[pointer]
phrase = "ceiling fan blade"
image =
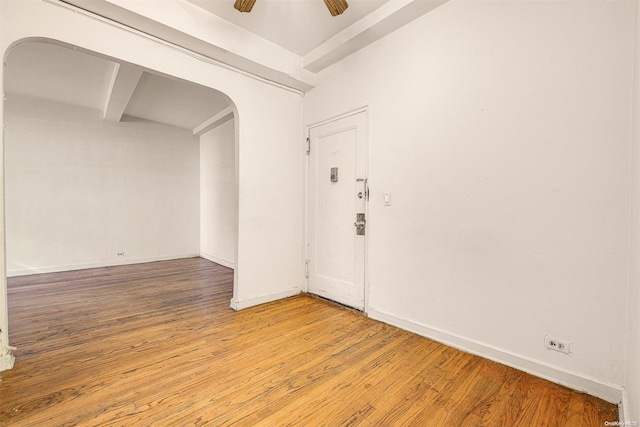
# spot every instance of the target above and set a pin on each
(336, 7)
(244, 5)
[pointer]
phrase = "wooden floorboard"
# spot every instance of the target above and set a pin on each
(157, 344)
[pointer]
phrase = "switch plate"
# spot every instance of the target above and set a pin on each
(387, 199)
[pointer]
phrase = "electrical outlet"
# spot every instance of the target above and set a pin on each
(557, 345)
(120, 254)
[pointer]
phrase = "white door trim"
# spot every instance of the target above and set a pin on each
(363, 109)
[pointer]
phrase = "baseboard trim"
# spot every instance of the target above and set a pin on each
(6, 362)
(113, 263)
(221, 261)
(242, 304)
(608, 392)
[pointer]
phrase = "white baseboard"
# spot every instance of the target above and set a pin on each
(110, 263)
(221, 261)
(6, 362)
(242, 304)
(608, 392)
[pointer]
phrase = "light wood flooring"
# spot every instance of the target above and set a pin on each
(156, 344)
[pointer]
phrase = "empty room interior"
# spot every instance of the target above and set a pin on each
(308, 212)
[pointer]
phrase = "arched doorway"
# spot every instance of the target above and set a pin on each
(143, 139)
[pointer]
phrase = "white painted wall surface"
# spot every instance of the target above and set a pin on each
(632, 371)
(6, 358)
(80, 190)
(218, 232)
(269, 250)
(502, 131)
(270, 259)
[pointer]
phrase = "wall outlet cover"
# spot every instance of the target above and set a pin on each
(558, 345)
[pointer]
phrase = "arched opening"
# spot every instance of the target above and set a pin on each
(101, 177)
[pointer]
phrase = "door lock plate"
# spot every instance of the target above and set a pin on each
(360, 224)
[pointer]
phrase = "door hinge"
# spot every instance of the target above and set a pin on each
(308, 146)
(306, 268)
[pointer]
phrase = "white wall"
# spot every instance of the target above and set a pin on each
(502, 130)
(6, 358)
(268, 132)
(270, 197)
(79, 189)
(632, 374)
(218, 195)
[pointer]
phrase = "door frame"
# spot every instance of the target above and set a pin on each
(305, 279)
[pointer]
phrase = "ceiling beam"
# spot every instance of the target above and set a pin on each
(124, 80)
(213, 122)
(382, 21)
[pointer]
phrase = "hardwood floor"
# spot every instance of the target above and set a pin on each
(156, 344)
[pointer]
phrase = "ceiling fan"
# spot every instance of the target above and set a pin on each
(336, 7)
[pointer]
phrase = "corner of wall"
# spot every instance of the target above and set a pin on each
(630, 406)
(223, 262)
(238, 304)
(623, 407)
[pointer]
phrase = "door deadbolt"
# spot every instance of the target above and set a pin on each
(360, 224)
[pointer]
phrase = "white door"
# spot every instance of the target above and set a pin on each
(336, 210)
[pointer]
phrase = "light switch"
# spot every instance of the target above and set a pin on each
(334, 174)
(387, 199)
